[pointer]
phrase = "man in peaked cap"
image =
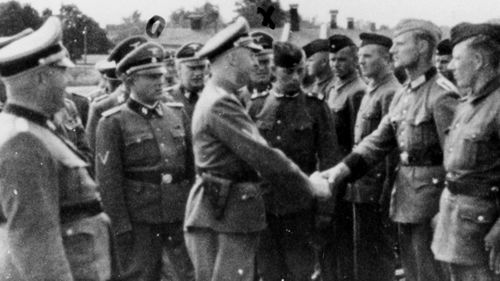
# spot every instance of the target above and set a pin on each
(260, 79)
(467, 233)
(171, 75)
(443, 58)
(414, 126)
(144, 164)
(50, 205)
(225, 210)
(109, 82)
(343, 100)
(300, 125)
(370, 195)
(191, 71)
(318, 67)
(119, 96)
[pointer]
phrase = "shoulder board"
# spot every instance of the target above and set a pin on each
(111, 111)
(257, 95)
(80, 95)
(174, 104)
(100, 98)
(320, 97)
(446, 84)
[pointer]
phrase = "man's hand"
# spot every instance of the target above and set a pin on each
(492, 244)
(336, 174)
(321, 187)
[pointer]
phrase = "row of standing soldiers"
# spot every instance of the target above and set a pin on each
(261, 125)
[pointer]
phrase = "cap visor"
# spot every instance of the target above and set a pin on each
(153, 70)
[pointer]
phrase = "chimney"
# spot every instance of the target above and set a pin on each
(333, 18)
(350, 23)
(294, 17)
(195, 21)
(373, 27)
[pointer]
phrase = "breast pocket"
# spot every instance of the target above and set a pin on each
(422, 132)
(475, 149)
(179, 135)
(370, 122)
(139, 146)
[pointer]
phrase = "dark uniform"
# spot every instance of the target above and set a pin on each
(225, 210)
(469, 206)
(69, 124)
(301, 127)
(50, 208)
(374, 236)
(415, 125)
(344, 101)
(144, 161)
(265, 61)
(119, 96)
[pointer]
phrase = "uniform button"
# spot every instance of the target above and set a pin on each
(278, 122)
(69, 231)
(278, 138)
(480, 218)
(158, 129)
(402, 143)
(435, 181)
(166, 160)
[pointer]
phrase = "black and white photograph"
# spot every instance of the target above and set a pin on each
(249, 140)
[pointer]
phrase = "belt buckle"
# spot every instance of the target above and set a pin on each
(166, 178)
(404, 157)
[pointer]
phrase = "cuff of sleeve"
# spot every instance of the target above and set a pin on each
(357, 165)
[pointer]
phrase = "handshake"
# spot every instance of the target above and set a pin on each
(321, 181)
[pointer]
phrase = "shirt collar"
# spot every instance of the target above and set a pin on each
(339, 83)
(487, 89)
(29, 114)
(419, 81)
(144, 110)
(279, 95)
(375, 85)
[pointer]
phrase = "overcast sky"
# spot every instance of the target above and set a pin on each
(389, 12)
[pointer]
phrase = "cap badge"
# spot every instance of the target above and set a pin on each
(135, 44)
(144, 110)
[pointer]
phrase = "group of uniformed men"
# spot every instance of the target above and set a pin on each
(218, 177)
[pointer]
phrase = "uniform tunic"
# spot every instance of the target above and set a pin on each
(472, 158)
(144, 164)
(53, 221)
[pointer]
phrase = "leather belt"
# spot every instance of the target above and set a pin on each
(420, 159)
(154, 177)
(486, 191)
(79, 210)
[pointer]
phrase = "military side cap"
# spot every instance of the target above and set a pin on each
(187, 52)
(107, 68)
(376, 39)
(145, 59)
(126, 46)
(42, 47)
(444, 48)
(338, 42)
(4, 41)
(286, 54)
(464, 31)
(318, 45)
(264, 40)
(234, 35)
(428, 27)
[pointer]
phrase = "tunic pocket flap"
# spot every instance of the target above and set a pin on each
(475, 216)
(138, 138)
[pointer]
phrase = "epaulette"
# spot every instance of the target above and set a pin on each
(257, 95)
(111, 111)
(446, 84)
(174, 104)
(100, 98)
(319, 96)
